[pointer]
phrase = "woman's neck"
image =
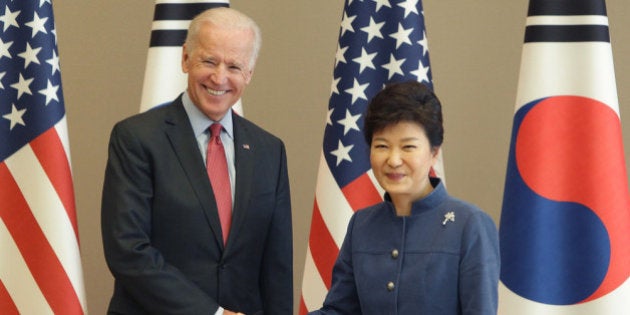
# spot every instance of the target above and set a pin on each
(404, 203)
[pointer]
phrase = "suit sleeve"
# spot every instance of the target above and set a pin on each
(277, 264)
(479, 268)
(140, 269)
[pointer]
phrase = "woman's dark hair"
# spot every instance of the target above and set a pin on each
(409, 101)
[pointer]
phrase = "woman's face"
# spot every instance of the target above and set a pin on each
(401, 158)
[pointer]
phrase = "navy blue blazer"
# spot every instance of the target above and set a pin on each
(443, 259)
(161, 230)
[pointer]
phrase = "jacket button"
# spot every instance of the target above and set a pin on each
(395, 253)
(390, 286)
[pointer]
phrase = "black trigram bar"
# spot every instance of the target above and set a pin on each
(567, 33)
(566, 7)
(182, 11)
(176, 12)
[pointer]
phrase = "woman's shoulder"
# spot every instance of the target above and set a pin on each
(467, 210)
(373, 213)
(373, 209)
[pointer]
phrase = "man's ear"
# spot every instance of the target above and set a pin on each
(248, 76)
(185, 58)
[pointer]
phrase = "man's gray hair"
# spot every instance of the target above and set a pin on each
(229, 18)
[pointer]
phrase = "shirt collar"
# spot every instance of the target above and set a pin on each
(200, 122)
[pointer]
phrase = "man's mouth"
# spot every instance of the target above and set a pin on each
(215, 92)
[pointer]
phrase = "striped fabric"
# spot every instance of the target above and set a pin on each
(40, 264)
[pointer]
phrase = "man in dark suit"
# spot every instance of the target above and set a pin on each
(162, 232)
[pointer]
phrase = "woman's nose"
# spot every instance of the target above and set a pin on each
(394, 159)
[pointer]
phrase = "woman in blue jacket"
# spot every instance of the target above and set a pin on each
(420, 251)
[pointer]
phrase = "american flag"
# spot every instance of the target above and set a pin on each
(40, 268)
(163, 77)
(565, 222)
(380, 41)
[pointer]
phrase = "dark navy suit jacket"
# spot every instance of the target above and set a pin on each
(161, 232)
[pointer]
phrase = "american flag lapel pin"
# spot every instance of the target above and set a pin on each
(246, 146)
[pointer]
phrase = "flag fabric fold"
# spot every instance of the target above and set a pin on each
(565, 246)
(379, 42)
(163, 77)
(40, 268)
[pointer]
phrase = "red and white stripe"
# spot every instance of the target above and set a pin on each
(40, 271)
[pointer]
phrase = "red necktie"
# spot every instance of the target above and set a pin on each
(216, 165)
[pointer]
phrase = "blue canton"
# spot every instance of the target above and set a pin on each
(31, 100)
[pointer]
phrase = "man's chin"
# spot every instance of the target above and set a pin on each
(215, 112)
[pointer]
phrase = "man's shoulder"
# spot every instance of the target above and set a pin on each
(157, 114)
(242, 124)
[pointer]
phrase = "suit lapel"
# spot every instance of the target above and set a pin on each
(184, 144)
(244, 158)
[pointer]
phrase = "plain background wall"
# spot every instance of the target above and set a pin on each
(475, 49)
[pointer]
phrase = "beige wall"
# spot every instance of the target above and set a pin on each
(475, 56)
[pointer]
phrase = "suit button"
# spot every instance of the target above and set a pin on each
(390, 286)
(395, 253)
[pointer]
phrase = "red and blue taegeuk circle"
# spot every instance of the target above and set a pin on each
(565, 222)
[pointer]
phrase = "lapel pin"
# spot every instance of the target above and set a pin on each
(449, 216)
(246, 146)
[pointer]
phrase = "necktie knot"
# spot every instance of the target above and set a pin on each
(215, 132)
